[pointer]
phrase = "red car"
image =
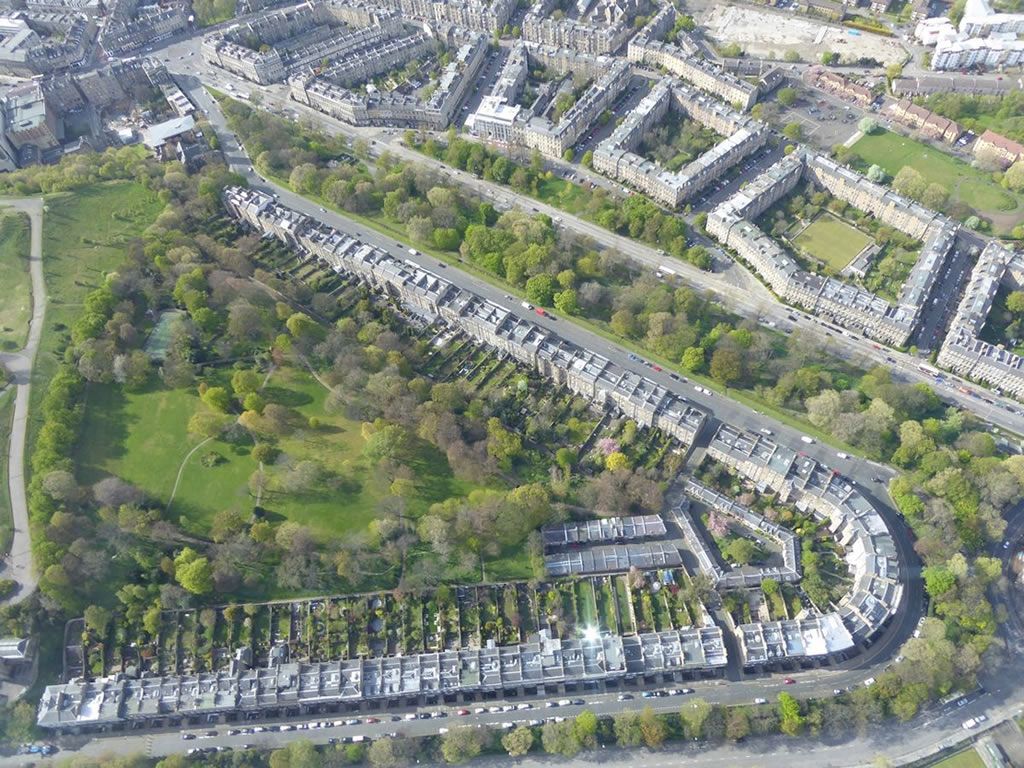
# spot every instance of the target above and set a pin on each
(789, 681)
(656, 367)
(539, 311)
(462, 712)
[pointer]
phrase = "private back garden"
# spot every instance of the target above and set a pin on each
(826, 234)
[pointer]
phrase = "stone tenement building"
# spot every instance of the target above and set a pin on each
(540, 664)
(683, 59)
(130, 25)
(584, 372)
(866, 542)
(615, 156)
(328, 92)
(963, 351)
(296, 40)
(732, 223)
(601, 29)
(42, 42)
(500, 119)
(477, 15)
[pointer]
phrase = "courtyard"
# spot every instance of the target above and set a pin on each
(831, 241)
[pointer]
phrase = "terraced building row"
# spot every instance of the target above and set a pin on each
(733, 224)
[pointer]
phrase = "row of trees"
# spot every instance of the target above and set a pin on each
(696, 721)
(638, 217)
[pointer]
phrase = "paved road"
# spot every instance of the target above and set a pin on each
(870, 476)
(738, 289)
(18, 565)
(938, 728)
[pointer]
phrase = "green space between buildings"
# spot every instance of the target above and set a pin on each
(969, 758)
(967, 185)
(16, 296)
(832, 241)
(85, 235)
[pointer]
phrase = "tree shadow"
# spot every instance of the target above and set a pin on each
(104, 431)
(284, 396)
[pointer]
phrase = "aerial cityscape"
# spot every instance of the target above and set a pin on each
(427, 382)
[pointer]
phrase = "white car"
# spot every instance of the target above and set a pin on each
(760, 700)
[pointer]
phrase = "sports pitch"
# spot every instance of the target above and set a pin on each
(832, 241)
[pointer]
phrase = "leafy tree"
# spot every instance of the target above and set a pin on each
(693, 360)
(743, 551)
(566, 301)
(585, 727)
(626, 726)
(390, 441)
(245, 381)
(791, 722)
(217, 398)
(462, 743)
(616, 460)
(692, 716)
(302, 326)
(540, 290)
(786, 96)
(653, 728)
(391, 752)
(737, 723)
(560, 739)
(1013, 179)
(793, 131)
(298, 754)
(867, 125)
(909, 181)
(1015, 302)
(726, 365)
(193, 572)
(518, 742)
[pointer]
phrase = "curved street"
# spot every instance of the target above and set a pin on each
(18, 564)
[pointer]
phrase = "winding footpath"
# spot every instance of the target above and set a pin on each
(18, 564)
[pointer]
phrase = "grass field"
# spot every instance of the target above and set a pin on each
(969, 758)
(143, 438)
(84, 237)
(832, 241)
(965, 183)
(6, 521)
(16, 297)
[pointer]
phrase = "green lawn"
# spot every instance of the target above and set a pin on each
(832, 241)
(16, 297)
(6, 522)
(969, 758)
(143, 438)
(84, 237)
(966, 184)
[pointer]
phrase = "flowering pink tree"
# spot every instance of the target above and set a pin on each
(717, 525)
(607, 445)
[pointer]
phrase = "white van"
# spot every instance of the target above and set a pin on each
(806, 439)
